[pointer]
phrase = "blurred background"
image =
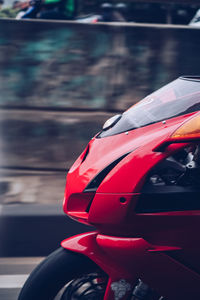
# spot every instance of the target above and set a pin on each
(144, 11)
(60, 80)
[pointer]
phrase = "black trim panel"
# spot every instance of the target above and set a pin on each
(170, 198)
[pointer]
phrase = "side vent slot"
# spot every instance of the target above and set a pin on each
(86, 154)
(94, 184)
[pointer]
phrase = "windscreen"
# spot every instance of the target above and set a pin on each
(180, 97)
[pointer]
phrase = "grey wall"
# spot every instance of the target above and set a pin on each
(67, 65)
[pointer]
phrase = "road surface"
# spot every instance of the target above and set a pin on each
(13, 273)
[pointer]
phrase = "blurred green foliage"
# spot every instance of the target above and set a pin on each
(8, 13)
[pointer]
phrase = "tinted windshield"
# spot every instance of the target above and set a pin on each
(180, 97)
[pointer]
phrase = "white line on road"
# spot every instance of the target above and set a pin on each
(12, 281)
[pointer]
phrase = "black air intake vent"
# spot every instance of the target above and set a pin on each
(94, 184)
(168, 198)
(86, 154)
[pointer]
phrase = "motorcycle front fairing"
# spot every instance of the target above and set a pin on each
(105, 187)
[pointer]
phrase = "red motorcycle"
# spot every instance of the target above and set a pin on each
(137, 182)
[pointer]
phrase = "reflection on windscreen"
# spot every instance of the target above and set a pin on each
(177, 98)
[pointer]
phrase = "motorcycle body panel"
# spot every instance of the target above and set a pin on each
(138, 143)
(127, 259)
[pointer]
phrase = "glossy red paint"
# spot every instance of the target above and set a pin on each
(102, 214)
(140, 143)
(82, 172)
(132, 258)
(162, 248)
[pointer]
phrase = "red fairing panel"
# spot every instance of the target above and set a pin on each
(127, 259)
(123, 181)
(139, 143)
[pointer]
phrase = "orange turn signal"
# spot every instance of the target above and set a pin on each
(189, 130)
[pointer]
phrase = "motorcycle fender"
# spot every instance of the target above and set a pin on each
(120, 281)
(125, 260)
(87, 244)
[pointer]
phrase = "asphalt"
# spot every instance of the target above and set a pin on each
(34, 231)
(13, 273)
